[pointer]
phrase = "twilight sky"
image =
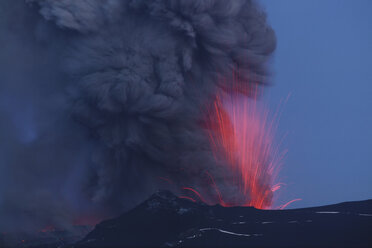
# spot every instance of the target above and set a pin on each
(323, 60)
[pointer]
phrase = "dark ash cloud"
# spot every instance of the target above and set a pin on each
(101, 98)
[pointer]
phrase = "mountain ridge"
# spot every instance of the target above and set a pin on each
(164, 220)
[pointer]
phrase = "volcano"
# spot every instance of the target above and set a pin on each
(165, 220)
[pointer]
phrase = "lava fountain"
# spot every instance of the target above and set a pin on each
(241, 132)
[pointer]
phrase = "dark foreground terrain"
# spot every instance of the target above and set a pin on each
(167, 221)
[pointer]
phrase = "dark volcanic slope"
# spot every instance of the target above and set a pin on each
(167, 221)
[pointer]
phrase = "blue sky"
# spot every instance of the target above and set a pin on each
(323, 60)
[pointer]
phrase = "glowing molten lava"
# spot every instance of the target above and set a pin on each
(241, 134)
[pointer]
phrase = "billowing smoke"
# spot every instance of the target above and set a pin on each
(101, 98)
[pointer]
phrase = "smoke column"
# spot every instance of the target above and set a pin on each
(100, 99)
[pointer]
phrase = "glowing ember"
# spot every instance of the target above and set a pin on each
(290, 202)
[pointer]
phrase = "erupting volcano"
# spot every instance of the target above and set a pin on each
(242, 133)
(114, 112)
(105, 102)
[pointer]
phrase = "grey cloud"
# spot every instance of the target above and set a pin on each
(118, 89)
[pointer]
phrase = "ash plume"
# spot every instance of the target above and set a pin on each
(98, 99)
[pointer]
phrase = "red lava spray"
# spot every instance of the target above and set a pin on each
(241, 133)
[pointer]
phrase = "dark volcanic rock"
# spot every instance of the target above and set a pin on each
(51, 238)
(167, 221)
